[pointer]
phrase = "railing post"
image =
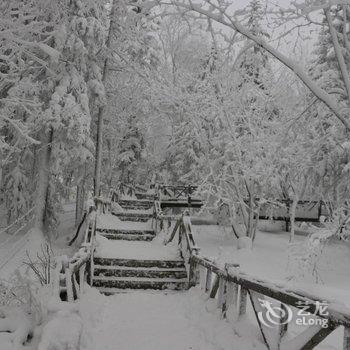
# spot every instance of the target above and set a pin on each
(283, 326)
(192, 275)
(346, 342)
(221, 292)
(242, 301)
(208, 281)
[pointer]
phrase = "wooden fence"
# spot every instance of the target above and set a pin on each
(70, 275)
(233, 288)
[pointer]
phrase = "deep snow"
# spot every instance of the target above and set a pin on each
(152, 320)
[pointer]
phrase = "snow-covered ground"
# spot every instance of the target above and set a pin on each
(135, 250)
(272, 257)
(112, 221)
(152, 320)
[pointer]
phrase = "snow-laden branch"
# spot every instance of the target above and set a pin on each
(20, 129)
(229, 21)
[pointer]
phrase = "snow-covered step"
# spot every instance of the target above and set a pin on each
(136, 204)
(119, 271)
(148, 196)
(140, 283)
(125, 232)
(139, 263)
(136, 217)
(127, 235)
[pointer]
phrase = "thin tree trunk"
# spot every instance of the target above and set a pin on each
(43, 163)
(230, 22)
(101, 110)
(292, 217)
(338, 53)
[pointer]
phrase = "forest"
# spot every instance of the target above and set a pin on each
(247, 100)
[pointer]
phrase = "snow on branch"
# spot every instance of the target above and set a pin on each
(219, 14)
(19, 127)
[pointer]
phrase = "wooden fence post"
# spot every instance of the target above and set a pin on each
(192, 275)
(69, 285)
(242, 301)
(215, 287)
(221, 294)
(346, 343)
(208, 281)
(283, 327)
(81, 279)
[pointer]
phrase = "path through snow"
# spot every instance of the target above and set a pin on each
(150, 320)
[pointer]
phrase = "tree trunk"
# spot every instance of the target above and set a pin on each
(292, 217)
(43, 180)
(101, 110)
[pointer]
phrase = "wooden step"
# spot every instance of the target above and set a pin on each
(128, 237)
(118, 271)
(139, 263)
(136, 217)
(141, 195)
(140, 283)
(112, 291)
(135, 204)
(125, 232)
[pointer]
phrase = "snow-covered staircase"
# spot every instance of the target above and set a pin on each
(133, 216)
(133, 262)
(127, 235)
(136, 204)
(113, 274)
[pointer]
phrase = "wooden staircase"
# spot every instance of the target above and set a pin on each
(111, 275)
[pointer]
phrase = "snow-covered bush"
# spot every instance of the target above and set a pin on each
(304, 257)
(62, 332)
(43, 266)
(22, 309)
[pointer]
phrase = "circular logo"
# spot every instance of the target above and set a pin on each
(272, 316)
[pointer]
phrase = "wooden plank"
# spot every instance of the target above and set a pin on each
(215, 287)
(277, 292)
(192, 276)
(309, 338)
(221, 292)
(81, 279)
(283, 326)
(318, 337)
(346, 342)
(208, 280)
(69, 286)
(270, 335)
(242, 308)
(202, 276)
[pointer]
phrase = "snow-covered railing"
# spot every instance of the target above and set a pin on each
(70, 275)
(158, 220)
(103, 205)
(176, 191)
(187, 245)
(272, 303)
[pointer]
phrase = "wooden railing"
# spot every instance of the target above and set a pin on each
(69, 276)
(103, 205)
(176, 191)
(232, 289)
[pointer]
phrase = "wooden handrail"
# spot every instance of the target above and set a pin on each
(276, 291)
(233, 287)
(74, 271)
